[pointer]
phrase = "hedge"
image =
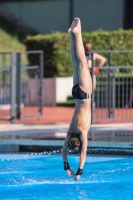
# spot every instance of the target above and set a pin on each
(57, 61)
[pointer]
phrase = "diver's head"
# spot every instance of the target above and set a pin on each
(74, 143)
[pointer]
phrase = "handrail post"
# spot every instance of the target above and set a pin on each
(109, 84)
(41, 82)
(18, 86)
(13, 87)
(92, 72)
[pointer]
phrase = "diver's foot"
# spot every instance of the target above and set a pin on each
(75, 26)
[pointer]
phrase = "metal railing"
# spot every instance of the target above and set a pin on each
(6, 59)
(113, 96)
(16, 81)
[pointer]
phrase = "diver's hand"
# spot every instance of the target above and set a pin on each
(70, 172)
(78, 174)
(76, 177)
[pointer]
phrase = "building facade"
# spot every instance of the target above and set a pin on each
(45, 16)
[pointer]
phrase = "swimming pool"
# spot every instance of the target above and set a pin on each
(41, 177)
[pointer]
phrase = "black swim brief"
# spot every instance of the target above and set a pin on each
(78, 93)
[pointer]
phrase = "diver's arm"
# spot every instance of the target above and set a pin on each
(83, 151)
(64, 150)
(82, 156)
(64, 157)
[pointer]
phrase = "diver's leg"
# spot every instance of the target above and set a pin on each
(76, 29)
(73, 57)
(85, 81)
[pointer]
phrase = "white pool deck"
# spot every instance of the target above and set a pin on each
(53, 135)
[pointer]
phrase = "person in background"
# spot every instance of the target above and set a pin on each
(130, 102)
(96, 57)
(131, 99)
(76, 139)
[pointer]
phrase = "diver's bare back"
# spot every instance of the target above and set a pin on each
(82, 116)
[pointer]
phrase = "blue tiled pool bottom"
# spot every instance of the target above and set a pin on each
(38, 177)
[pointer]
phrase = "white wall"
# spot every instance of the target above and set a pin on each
(63, 88)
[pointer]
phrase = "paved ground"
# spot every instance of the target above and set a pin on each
(63, 115)
(50, 130)
(34, 138)
(57, 131)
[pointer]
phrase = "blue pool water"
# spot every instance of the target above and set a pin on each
(41, 177)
